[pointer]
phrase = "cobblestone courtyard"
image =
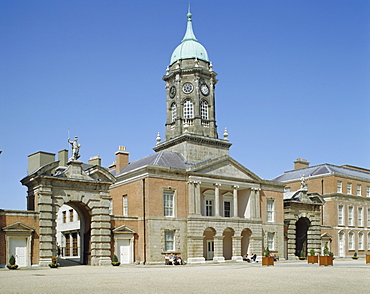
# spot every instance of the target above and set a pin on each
(346, 276)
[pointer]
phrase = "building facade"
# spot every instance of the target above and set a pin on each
(190, 197)
(345, 216)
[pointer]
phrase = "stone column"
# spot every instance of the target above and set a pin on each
(235, 194)
(252, 204)
(314, 235)
(100, 232)
(218, 253)
(256, 245)
(291, 240)
(258, 203)
(47, 234)
(195, 249)
(191, 197)
(217, 199)
(237, 248)
(197, 198)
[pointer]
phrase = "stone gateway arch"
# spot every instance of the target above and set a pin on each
(86, 189)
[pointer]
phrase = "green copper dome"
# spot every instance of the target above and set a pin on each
(189, 47)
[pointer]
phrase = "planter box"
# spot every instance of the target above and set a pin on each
(313, 259)
(367, 258)
(326, 260)
(267, 260)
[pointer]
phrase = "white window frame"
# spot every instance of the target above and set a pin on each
(228, 197)
(351, 241)
(204, 110)
(360, 216)
(168, 203)
(349, 188)
(367, 191)
(368, 217)
(359, 190)
(360, 241)
(271, 240)
(188, 109)
(339, 187)
(340, 215)
(169, 240)
(209, 203)
(125, 205)
(173, 112)
(350, 215)
(270, 210)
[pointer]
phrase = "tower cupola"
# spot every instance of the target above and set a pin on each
(189, 47)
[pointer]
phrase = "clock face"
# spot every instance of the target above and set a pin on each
(204, 89)
(172, 91)
(187, 88)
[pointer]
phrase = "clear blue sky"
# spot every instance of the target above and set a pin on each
(293, 79)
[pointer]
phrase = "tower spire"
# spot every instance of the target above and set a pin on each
(189, 34)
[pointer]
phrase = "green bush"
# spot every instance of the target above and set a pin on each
(267, 252)
(312, 252)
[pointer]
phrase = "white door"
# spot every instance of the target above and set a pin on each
(124, 250)
(19, 250)
(341, 245)
(210, 249)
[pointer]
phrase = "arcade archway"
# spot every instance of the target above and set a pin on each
(302, 226)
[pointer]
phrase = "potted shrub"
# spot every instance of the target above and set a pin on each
(355, 256)
(115, 261)
(313, 258)
(54, 263)
(327, 258)
(12, 264)
(301, 256)
(267, 259)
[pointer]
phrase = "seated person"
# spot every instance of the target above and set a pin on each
(245, 258)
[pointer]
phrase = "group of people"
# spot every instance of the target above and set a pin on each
(173, 259)
(252, 259)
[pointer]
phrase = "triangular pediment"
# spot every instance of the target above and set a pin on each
(18, 227)
(224, 166)
(124, 230)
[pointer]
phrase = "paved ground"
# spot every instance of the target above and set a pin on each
(346, 276)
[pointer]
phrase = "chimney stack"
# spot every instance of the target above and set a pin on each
(63, 157)
(122, 157)
(301, 163)
(95, 160)
(39, 159)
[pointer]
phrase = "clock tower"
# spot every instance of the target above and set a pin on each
(190, 102)
(190, 83)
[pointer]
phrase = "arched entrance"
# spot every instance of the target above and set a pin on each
(73, 232)
(208, 243)
(246, 234)
(302, 226)
(86, 189)
(228, 243)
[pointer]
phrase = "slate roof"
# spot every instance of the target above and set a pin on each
(322, 169)
(161, 158)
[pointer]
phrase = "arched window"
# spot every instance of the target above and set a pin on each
(204, 110)
(351, 245)
(361, 241)
(188, 109)
(173, 111)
